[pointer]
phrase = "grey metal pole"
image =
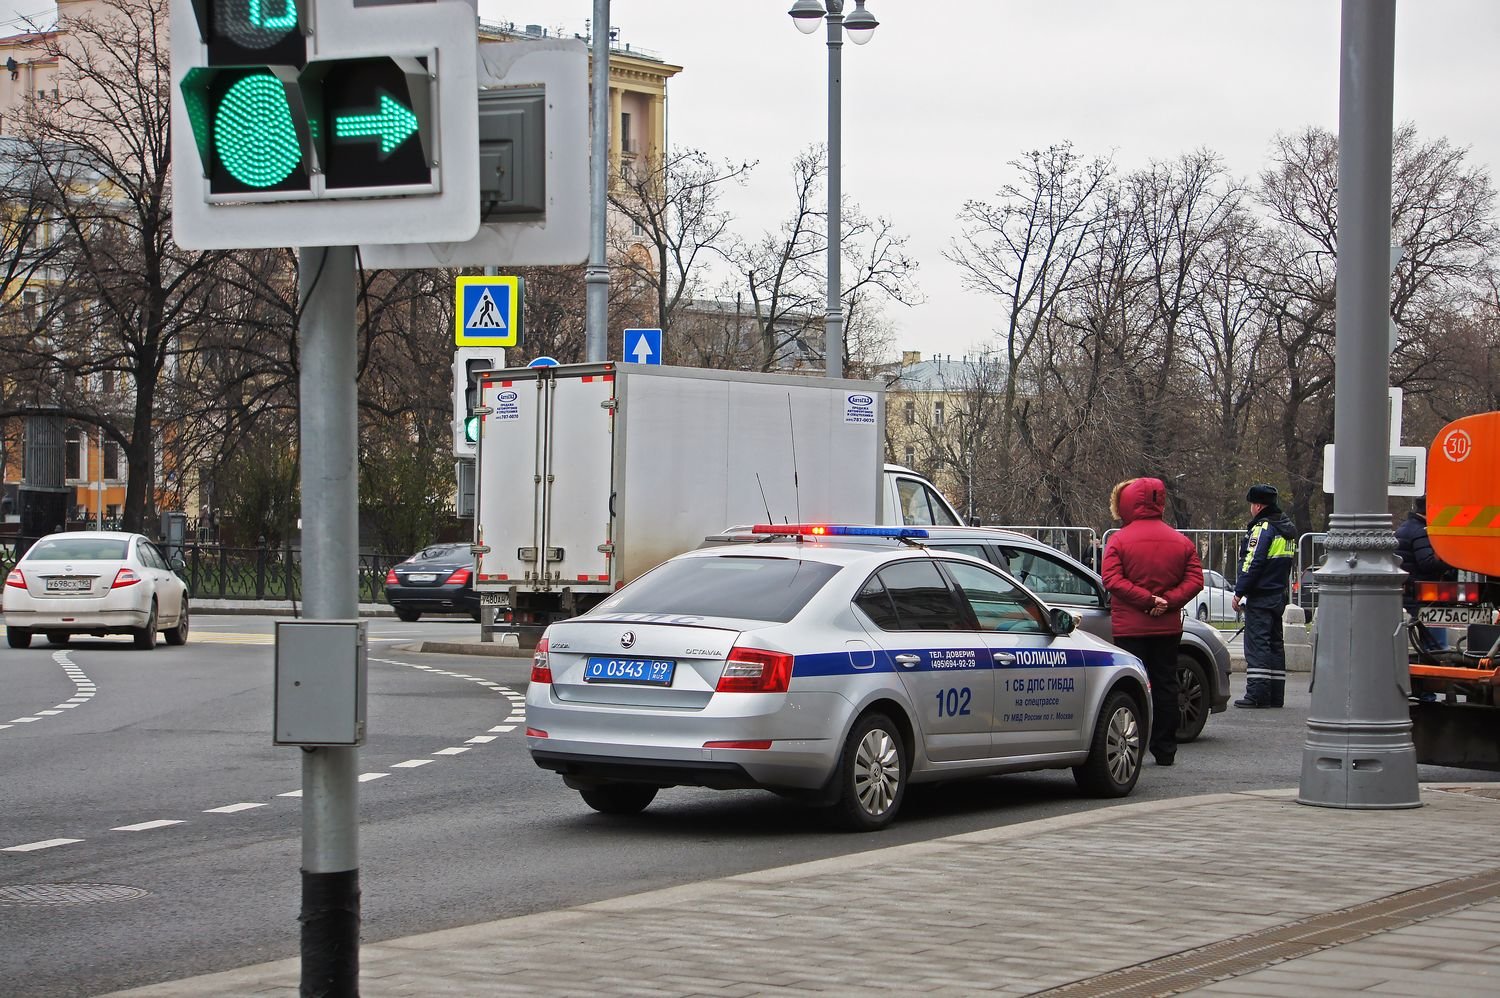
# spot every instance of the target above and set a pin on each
(833, 330)
(1359, 752)
(596, 277)
(330, 571)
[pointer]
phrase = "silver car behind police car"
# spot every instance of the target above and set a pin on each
(835, 664)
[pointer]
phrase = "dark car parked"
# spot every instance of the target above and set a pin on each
(437, 579)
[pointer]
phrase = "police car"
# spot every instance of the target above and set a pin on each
(832, 663)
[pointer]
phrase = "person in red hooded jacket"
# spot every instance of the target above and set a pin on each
(1151, 572)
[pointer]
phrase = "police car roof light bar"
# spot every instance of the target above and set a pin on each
(835, 530)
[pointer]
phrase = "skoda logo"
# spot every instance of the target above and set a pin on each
(860, 400)
(627, 639)
(506, 396)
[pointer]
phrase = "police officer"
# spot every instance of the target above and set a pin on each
(1266, 554)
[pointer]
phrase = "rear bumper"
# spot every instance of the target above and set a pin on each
(584, 769)
(103, 622)
(433, 600)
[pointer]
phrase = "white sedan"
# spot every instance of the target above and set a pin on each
(94, 582)
(1215, 602)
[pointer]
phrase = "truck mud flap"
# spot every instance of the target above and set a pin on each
(1462, 736)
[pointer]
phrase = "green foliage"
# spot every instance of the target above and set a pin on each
(405, 490)
(259, 490)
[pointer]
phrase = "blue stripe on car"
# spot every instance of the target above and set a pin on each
(840, 664)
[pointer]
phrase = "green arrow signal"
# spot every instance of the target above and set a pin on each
(393, 124)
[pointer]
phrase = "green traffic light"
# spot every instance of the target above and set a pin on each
(254, 135)
(471, 429)
(392, 124)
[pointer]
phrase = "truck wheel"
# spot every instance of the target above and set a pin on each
(18, 637)
(1114, 761)
(871, 775)
(1192, 697)
(619, 798)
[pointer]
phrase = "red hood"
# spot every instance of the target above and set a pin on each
(1142, 499)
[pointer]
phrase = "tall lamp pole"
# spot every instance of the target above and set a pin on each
(859, 25)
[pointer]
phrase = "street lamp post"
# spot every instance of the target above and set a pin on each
(859, 25)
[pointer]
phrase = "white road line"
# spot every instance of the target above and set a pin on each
(231, 808)
(291, 793)
(479, 740)
(367, 777)
(452, 750)
(7, 725)
(43, 844)
(48, 713)
(23, 720)
(67, 706)
(504, 727)
(412, 763)
(146, 826)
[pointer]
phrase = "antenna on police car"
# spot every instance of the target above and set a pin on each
(764, 501)
(792, 432)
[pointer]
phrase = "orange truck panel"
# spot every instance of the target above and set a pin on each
(1463, 493)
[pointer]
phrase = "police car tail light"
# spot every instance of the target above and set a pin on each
(458, 578)
(15, 579)
(835, 530)
(1448, 592)
(541, 669)
(751, 670)
(390, 577)
(124, 577)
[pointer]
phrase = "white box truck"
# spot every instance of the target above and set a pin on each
(590, 474)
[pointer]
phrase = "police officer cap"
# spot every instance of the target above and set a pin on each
(1262, 493)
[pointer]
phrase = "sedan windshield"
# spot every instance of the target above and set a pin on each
(771, 589)
(78, 549)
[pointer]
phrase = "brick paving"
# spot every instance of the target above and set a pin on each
(1006, 911)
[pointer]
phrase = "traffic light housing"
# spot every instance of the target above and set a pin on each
(320, 121)
(468, 364)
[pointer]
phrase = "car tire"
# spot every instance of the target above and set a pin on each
(1193, 696)
(145, 637)
(18, 637)
(619, 798)
(409, 616)
(1203, 612)
(1115, 750)
(178, 635)
(58, 638)
(872, 774)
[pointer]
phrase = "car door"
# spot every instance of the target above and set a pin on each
(931, 641)
(163, 581)
(1039, 676)
(1059, 583)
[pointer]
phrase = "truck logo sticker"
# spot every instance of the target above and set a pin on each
(859, 409)
(507, 406)
(627, 639)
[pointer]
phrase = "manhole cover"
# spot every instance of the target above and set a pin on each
(1488, 793)
(69, 893)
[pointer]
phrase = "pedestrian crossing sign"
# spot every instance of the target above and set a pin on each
(487, 311)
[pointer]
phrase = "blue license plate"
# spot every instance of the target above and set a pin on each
(642, 671)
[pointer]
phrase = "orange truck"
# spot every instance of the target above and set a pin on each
(1456, 692)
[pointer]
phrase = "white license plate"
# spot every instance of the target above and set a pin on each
(68, 585)
(1454, 616)
(422, 577)
(494, 599)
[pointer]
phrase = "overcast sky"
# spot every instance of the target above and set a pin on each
(945, 94)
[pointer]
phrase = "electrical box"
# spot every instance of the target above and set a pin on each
(321, 672)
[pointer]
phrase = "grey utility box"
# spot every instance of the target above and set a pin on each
(320, 682)
(512, 152)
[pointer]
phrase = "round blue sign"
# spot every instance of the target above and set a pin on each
(543, 362)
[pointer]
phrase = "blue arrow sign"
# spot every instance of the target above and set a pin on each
(643, 346)
(543, 362)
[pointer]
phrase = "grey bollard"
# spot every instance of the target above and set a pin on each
(1297, 639)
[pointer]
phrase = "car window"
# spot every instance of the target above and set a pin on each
(997, 603)
(876, 603)
(921, 599)
(919, 507)
(78, 548)
(436, 551)
(1051, 578)
(772, 589)
(149, 556)
(972, 550)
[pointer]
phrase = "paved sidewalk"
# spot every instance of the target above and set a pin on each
(1226, 894)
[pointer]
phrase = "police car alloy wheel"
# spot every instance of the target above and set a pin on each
(1115, 754)
(872, 779)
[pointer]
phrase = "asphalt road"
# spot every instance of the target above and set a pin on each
(162, 773)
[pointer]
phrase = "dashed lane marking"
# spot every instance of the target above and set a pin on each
(412, 763)
(83, 691)
(451, 750)
(367, 777)
(146, 826)
(43, 844)
(479, 740)
(232, 808)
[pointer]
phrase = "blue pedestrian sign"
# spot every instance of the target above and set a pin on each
(643, 346)
(487, 311)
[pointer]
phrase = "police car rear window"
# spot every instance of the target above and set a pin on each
(771, 589)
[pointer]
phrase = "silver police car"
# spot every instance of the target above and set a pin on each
(835, 664)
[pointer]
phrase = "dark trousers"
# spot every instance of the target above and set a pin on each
(1159, 654)
(1265, 657)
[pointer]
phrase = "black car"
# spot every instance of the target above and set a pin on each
(437, 579)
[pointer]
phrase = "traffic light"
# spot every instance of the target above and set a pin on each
(468, 363)
(321, 120)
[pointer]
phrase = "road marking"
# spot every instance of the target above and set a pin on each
(48, 713)
(43, 844)
(23, 720)
(231, 808)
(291, 793)
(504, 727)
(146, 826)
(412, 763)
(454, 750)
(367, 777)
(6, 725)
(233, 638)
(479, 740)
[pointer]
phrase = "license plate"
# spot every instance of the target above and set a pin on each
(1454, 616)
(640, 671)
(422, 577)
(494, 599)
(68, 585)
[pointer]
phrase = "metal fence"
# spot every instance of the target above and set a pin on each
(1080, 542)
(1219, 550)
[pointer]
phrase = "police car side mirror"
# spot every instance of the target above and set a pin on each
(1063, 622)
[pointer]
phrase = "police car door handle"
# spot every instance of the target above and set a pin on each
(1005, 658)
(910, 661)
